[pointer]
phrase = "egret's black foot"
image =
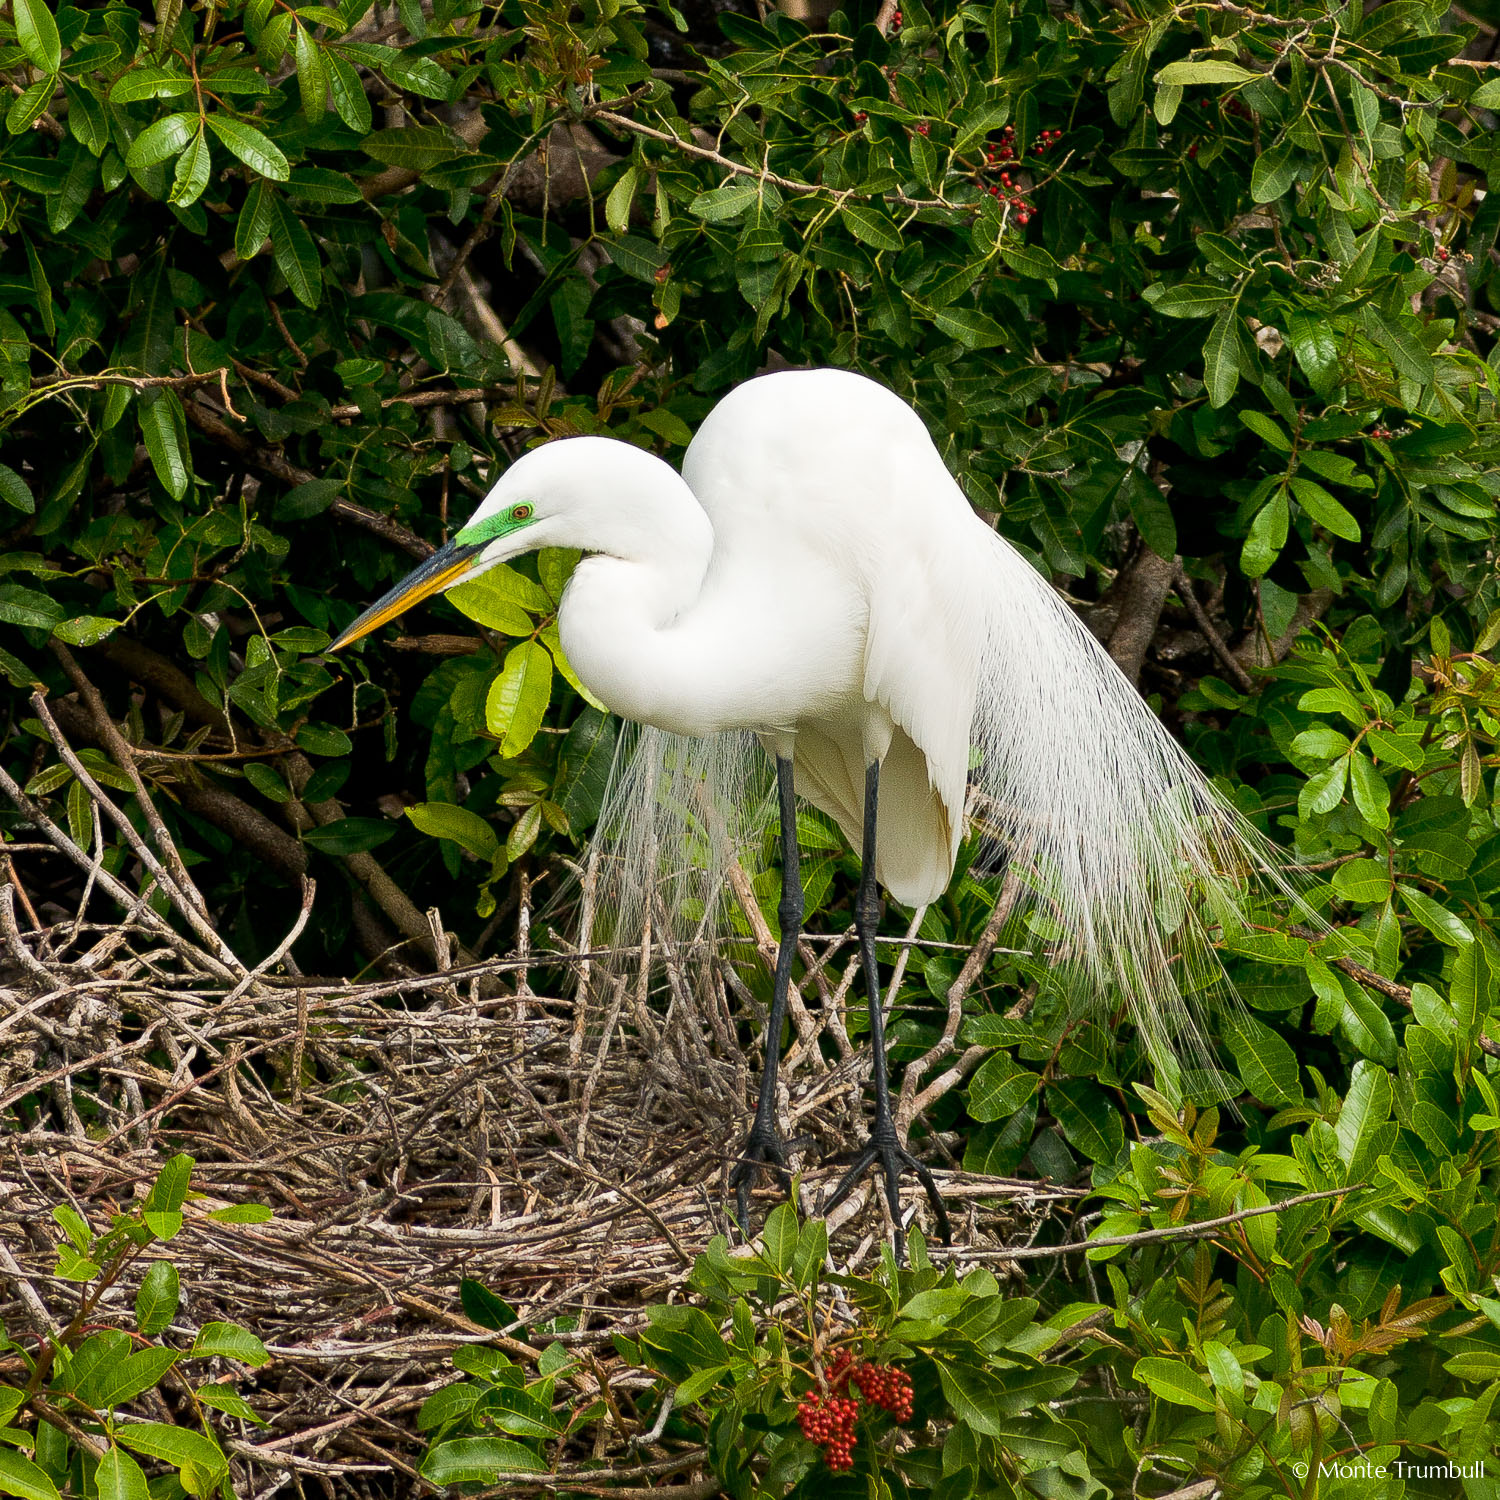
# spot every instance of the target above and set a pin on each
(763, 1151)
(893, 1158)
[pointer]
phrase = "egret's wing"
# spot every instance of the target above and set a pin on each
(922, 659)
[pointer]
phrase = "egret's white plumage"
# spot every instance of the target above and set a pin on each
(816, 577)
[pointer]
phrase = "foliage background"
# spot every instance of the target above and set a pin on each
(1199, 303)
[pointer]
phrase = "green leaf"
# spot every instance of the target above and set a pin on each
(28, 105)
(241, 1213)
(1176, 1382)
(621, 196)
(15, 492)
(169, 1191)
(312, 74)
(1221, 358)
(518, 697)
(1474, 986)
(1322, 741)
(296, 254)
(1267, 534)
(1324, 509)
(86, 630)
(1267, 430)
(253, 228)
(19, 1476)
(491, 604)
(230, 1341)
(116, 1381)
(721, 204)
(1362, 881)
(1443, 924)
(252, 146)
(1189, 72)
(972, 329)
(29, 607)
(37, 33)
(1273, 173)
(156, 143)
(1088, 1123)
(482, 1306)
(120, 1477)
(156, 1301)
(229, 1401)
(1192, 299)
(72, 1223)
(1316, 350)
(177, 1446)
(779, 1237)
(350, 835)
(1029, 260)
(324, 739)
(1000, 1087)
(1266, 1063)
(191, 176)
(419, 148)
(1371, 794)
(164, 429)
(1406, 351)
(700, 1383)
(479, 1460)
(149, 83)
(503, 582)
(1323, 792)
(467, 829)
(871, 226)
(349, 98)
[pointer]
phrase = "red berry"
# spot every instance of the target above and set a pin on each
(923, 127)
(860, 117)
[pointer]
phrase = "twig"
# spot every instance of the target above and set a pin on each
(124, 756)
(1184, 586)
(762, 174)
(1199, 1230)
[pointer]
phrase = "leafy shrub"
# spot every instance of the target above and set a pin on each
(1207, 298)
(68, 1417)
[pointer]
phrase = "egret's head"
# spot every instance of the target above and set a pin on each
(582, 492)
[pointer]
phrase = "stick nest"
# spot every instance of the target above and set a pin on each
(407, 1133)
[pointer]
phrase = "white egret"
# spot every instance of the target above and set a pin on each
(816, 577)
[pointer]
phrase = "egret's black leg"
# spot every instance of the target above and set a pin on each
(883, 1146)
(764, 1147)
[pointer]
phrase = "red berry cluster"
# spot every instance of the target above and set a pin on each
(1046, 141)
(1442, 252)
(1006, 148)
(885, 1386)
(828, 1421)
(895, 20)
(1380, 432)
(923, 128)
(1232, 106)
(860, 117)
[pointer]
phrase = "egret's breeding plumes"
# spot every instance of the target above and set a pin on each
(816, 579)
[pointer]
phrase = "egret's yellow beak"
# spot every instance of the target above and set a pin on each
(444, 568)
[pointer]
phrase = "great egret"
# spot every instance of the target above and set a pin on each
(815, 576)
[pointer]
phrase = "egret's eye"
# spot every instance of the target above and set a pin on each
(521, 513)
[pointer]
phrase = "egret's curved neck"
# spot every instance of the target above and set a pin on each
(620, 607)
